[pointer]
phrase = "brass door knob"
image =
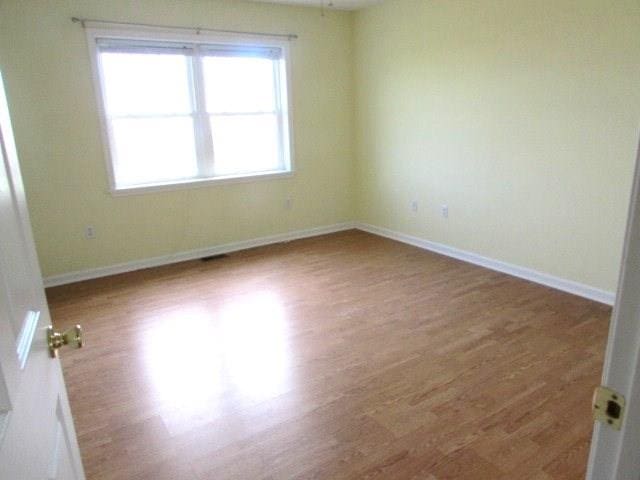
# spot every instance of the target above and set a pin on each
(71, 337)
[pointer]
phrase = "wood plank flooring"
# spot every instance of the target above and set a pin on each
(346, 356)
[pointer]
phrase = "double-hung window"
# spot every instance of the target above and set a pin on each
(201, 110)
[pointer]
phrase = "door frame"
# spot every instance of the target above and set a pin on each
(614, 454)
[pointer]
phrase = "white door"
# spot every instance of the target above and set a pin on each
(615, 455)
(37, 438)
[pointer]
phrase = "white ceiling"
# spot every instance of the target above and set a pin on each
(340, 4)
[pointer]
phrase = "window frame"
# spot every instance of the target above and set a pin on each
(285, 139)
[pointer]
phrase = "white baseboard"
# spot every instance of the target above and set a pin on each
(552, 281)
(82, 275)
(558, 283)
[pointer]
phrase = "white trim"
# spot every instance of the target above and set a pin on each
(614, 454)
(4, 421)
(552, 281)
(198, 183)
(546, 279)
(82, 275)
(25, 338)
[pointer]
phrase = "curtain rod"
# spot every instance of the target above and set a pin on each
(197, 30)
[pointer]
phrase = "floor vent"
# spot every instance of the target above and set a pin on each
(214, 257)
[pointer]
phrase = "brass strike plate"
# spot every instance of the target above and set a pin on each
(608, 407)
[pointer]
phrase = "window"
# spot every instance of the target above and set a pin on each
(178, 112)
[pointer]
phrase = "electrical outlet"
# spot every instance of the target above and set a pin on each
(414, 206)
(444, 210)
(89, 232)
(288, 203)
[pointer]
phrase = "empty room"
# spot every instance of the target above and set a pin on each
(315, 239)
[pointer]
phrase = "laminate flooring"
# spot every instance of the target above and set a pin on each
(345, 356)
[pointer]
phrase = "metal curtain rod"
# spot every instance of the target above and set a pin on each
(197, 30)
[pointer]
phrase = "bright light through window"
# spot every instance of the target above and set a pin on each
(242, 106)
(183, 112)
(150, 116)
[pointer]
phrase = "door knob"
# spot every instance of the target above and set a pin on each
(71, 337)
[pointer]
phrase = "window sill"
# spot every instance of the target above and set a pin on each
(197, 183)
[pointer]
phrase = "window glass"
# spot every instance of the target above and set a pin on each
(239, 84)
(151, 150)
(146, 84)
(245, 143)
(179, 112)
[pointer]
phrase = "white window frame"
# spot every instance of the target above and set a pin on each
(170, 35)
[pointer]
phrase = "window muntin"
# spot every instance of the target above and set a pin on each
(186, 112)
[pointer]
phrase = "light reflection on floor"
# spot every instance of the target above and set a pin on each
(201, 357)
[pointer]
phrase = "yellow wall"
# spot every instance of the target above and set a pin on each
(44, 59)
(521, 115)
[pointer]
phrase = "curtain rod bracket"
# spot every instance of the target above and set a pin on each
(78, 20)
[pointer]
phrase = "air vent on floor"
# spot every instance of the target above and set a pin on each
(214, 257)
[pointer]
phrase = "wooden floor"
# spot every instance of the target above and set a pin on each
(346, 356)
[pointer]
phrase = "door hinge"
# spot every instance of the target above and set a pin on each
(608, 407)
